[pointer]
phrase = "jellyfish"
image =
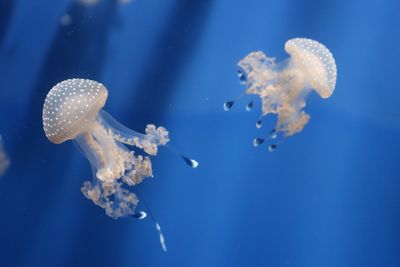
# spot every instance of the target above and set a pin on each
(73, 111)
(4, 160)
(283, 86)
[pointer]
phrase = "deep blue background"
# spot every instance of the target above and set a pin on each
(328, 197)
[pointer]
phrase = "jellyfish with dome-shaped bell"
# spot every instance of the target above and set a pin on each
(73, 111)
(284, 86)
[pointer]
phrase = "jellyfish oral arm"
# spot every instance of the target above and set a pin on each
(110, 159)
(103, 143)
(149, 142)
(112, 165)
(106, 158)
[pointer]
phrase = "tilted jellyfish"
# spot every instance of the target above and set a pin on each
(4, 161)
(73, 111)
(284, 86)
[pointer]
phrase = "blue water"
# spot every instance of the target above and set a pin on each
(327, 197)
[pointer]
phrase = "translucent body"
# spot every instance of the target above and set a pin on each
(4, 161)
(72, 111)
(284, 86)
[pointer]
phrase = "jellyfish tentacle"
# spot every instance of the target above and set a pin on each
(249, 106)
(229, 104)
(259, 123)
(274, 135)
(140, 215)
(157, 225)
(189, 161)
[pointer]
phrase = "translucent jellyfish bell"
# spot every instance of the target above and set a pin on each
(73, 111)
(284, 86)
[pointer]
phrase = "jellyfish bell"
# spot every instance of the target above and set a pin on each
(71, 108)
(284, 86)
(73, 111)
(315, 62)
